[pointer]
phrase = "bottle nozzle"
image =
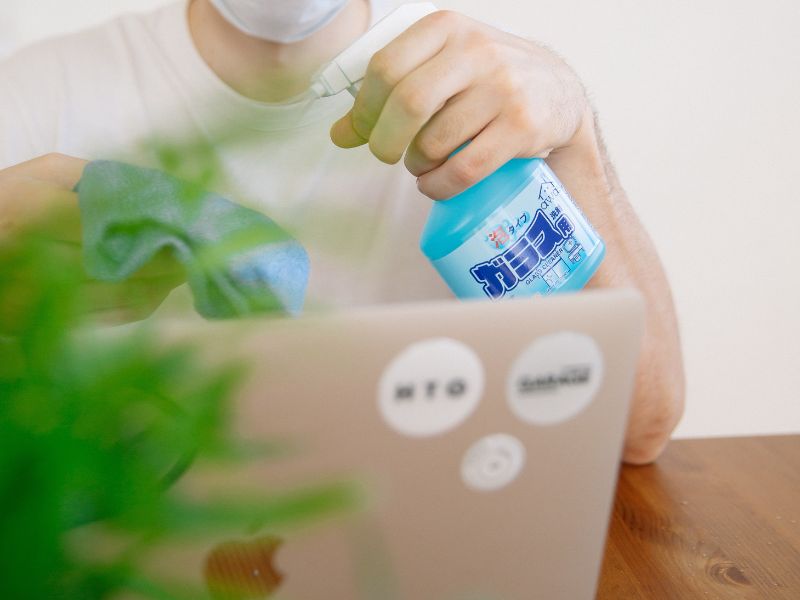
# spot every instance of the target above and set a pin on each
(318, 89)
(347, 70)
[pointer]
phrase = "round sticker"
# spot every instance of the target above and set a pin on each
(555, 378)
(493, 462)
(431, 387)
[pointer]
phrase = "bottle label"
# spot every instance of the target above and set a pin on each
(533, 245)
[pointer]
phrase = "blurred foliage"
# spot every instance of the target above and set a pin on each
(95, 430)
(197, 160)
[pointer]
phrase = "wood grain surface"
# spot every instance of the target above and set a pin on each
(712, 519)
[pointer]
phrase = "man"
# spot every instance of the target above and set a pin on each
(202, 70)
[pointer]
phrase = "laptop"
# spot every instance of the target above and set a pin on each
(484, 440)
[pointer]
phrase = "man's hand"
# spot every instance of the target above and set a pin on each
(32, 190)
(41, 191)
(449, 79)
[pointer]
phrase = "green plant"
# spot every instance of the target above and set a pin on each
(94, 432)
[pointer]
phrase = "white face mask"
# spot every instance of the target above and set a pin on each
(283, 21)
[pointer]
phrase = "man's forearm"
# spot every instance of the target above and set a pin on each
(631, 261)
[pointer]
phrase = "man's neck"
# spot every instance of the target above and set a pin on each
(270, 71)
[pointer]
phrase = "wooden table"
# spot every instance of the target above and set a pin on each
(715, 518)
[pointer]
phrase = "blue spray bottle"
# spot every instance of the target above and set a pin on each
(516, 233)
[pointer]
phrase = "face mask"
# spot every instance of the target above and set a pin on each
(283, 21)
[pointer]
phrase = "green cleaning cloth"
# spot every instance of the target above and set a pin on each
(238, 261)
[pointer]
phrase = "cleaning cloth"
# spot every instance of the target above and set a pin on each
(238, 261)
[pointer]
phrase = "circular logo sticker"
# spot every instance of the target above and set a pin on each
(431, 387)
(555, 378)
(493, 462)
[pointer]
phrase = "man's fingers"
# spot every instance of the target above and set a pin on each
(415, 100)
(462, 118)
(25, 201)
(388, 67)
(344, 135)
(32, 190)
(491, 149)
(56, 169)
(103, 296)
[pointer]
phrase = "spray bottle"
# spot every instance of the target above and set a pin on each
(515, 233)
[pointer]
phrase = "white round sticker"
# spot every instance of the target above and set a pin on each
(493, 462)
(431, 387)
(555, 378)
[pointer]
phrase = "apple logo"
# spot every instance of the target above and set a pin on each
(243, 570)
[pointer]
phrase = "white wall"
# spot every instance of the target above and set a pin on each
(699, 102)
(9, 26)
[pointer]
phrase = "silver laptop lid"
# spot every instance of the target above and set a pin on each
(486, 437)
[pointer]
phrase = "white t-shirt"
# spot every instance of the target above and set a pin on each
(138, 82)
